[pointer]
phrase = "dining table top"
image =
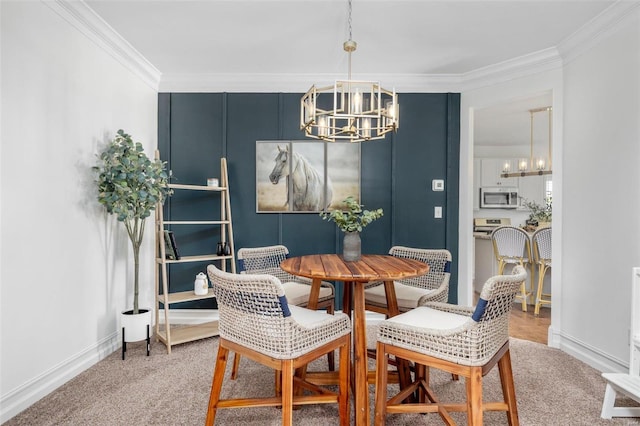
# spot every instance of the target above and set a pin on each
(369, 267)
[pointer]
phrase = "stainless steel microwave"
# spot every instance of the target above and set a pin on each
(499, 198)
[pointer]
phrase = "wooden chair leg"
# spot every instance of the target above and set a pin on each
(331, 356)
(344, 379)
(287, 392)
(216, 384)
(541, 271)
(382, 359)
(422, 373)
(523, 295)
(508, 388)
(236, 366)
(474, 397)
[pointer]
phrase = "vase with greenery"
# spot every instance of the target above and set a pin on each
(351, 222)
(130, 186)
(537, 213)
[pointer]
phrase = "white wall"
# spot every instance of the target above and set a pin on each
(65, 265)
(601, 234)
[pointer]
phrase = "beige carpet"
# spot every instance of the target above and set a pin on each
(552, 388)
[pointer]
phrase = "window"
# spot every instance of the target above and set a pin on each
(548, 191)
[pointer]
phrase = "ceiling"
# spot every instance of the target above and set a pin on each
(509, 124)
(306, 36)
(302, 40)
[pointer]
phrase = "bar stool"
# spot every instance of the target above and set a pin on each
(541, 241)
(511, 246)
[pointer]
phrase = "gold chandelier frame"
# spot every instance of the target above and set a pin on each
(349, 110)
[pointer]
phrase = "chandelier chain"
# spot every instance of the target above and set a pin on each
(350, 20)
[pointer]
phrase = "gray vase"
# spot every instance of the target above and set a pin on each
(351, 248)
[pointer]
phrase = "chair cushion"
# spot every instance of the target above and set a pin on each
(429, 318)
(309, 318)
(298, 294)
(407, 296)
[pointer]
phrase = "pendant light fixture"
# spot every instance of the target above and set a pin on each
(350, 110)
(534, 166)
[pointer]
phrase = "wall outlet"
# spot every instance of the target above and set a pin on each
(437, 212)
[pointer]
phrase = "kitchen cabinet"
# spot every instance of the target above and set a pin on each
(490, 171)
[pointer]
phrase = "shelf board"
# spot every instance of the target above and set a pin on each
(197, 187)
(189, 333)
(196, 222)
(200, 258)
(185, 296)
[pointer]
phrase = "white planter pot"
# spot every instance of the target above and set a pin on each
(135, 326)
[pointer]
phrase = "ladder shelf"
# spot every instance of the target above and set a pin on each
(173, 334)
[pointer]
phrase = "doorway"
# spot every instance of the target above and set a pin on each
(494, 132)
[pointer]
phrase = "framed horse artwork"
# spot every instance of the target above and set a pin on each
(305, 176)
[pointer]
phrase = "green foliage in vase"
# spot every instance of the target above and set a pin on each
(129, 186)
(355, 218)
(538, 213)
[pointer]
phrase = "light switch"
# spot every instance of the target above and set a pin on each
(437, 212)
(437, 185)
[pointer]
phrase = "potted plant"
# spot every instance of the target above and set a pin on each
(539, 216)
(351, 222)
(129, 186)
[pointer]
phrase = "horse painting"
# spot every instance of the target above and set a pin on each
(305, 187)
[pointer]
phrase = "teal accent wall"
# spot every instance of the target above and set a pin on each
(196, 129)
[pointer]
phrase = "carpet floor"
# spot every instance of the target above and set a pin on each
(552, 388)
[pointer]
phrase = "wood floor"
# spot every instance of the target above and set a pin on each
(527, 326)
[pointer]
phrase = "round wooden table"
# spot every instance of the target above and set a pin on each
(332, 267)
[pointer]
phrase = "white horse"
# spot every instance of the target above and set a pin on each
(307, 187)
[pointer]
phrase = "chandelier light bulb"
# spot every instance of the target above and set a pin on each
(523, 165)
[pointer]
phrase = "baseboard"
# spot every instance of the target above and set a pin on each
(29, 393)
(586, 353)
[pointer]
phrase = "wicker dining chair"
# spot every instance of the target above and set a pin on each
(463, 341)
(511, 246)
(431, 287)
(266, 260)
(257, 322)
(541, 242)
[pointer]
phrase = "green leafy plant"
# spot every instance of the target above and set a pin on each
(355, 218)
(538, 213)
(129, 186)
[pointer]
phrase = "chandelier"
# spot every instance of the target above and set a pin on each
(350, 110)
(532, 166)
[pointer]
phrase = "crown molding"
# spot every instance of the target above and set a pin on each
(409, 83)
(511, 69)
(300, 83)
(84, 19)
(596, 29)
